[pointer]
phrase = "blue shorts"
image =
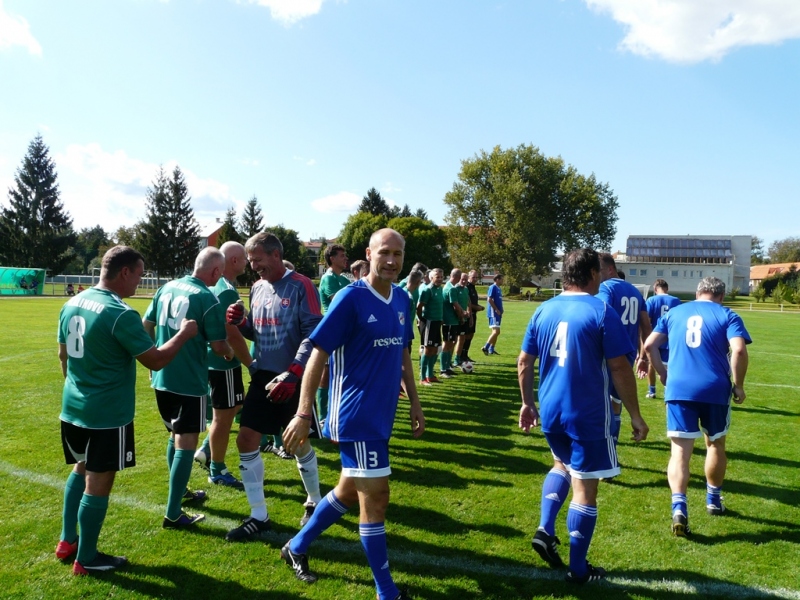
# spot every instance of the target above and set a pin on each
(494, 321)
(686, 419)
(365, 459)
(585, 459)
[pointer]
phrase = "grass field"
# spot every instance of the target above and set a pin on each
(465, 497)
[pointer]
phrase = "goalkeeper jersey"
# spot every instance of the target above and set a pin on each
(102, 336)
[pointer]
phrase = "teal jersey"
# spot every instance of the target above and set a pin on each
(403, 283)
(186, 298)
(226, 293)
(450, 296)
(329, 284)
(463, 297)
(102, 335)
(431, 298)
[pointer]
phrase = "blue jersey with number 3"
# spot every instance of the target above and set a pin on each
(698, 334)
(573, 334)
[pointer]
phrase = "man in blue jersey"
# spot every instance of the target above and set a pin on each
(365, 332)
(580, 342)
(699, 389)
(657, 306)
(494, 312)
(100, 338)
(628, 303)
(284, 310)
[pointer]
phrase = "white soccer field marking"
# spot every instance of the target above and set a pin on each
(412, 559)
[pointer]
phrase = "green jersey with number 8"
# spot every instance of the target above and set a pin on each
(102, 336)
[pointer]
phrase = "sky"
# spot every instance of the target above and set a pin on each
(689, 110)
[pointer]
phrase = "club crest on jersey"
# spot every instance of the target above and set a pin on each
(285, 302)
(402, 316)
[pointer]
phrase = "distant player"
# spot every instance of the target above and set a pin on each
(359, 269)
(429, 312)
(701, 334)
(181, 387)
(494, 312)
(100, 338)
(657, 306)
(464, 320)
(580, 344)
(365, 332)
(452, 315)
(474, 308)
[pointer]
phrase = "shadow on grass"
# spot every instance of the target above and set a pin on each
(767, 411)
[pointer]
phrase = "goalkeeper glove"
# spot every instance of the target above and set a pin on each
(284, 386)
(235, 315)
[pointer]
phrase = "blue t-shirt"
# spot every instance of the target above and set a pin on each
(366, 336)
(573, 334)
(698, 332)
(496, 294)
(657, 307)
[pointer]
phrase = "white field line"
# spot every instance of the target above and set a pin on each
(772, 385)
(448, 563)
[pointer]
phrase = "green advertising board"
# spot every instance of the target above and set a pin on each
(21, 282)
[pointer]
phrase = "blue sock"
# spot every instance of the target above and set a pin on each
(328, 511)
(581, 520)
(679, 504)
(713, 495)
(651, 389)
(616, 425)
(373, 538)
(554, 494)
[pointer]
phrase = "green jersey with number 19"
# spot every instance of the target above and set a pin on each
(102, 336)
(186, 298)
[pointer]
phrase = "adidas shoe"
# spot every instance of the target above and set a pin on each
(226, 479)
(184, 521)
(281, 453)
(545, 546)
(102, 562)
(485, 350)
(202, 459)
(310, 507)
(714, 510)
(250, 530)
(426, 382)
(65, 550)
(194, 496)
(592, 574)
(494, 352)
(680, 524)
(433, 379)
(267, 447)
(445, 375)
(650, 395)
(299, 563)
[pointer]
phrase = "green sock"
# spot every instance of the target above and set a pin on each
(278, 440)
(178, 478)
(443, 361)
(431, 365)
(170, 451)
(322, 403)
(73, 494)
(264, 440)
(91, 515)
(206, 446)
(217, 468)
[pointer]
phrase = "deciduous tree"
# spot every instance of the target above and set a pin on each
(785, 250)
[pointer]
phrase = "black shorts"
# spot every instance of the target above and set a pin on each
(469, 326)
(430, 332)
(227, 388)
(262, 414)
(101, 449)
(450, 333)
(182, 414)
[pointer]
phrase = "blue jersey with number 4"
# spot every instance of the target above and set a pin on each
(366, 336)
(698, 334)
(573, 334)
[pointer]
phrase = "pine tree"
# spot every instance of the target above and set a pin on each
(228, 231)
(35, 230)
(252, 221)
(374, 204)
(170, 235)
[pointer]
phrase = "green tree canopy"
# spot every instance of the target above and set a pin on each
(90, 241)
(293, 249)
(356, 232)
(170, 235)
(757, 251)
(785, 250)
(35, 230)
(252, 220)
(515, 209)
(374, 204)
(426, 242)
(228, 231)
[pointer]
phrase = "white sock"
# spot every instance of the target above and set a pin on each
(309, 473)
(251, 466)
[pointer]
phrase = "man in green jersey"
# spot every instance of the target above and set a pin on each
(100, 338)
(181, 387)
(429, 312)
(466, 316)
(225, 377)
(452, 314)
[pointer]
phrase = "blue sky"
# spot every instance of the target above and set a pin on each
(689, 110)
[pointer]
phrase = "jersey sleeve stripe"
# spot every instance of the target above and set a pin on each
(312, 295)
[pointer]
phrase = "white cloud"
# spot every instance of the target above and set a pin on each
(310, 162)
(289, 12)
(341, 202)
(14, 31)
(250, 162)
(697, 30)
(109, 188)
(389, 188)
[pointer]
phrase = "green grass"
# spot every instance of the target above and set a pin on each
(465, 497)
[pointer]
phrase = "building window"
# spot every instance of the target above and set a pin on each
(700, 274)
(642, 272)
(659, 272)
(632, 272)
(674, 274)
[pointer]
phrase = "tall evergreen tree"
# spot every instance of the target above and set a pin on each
(374, 204)
(421, 213)
(170, 235)
(252, 220)
(35, 230)
(228, 232)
